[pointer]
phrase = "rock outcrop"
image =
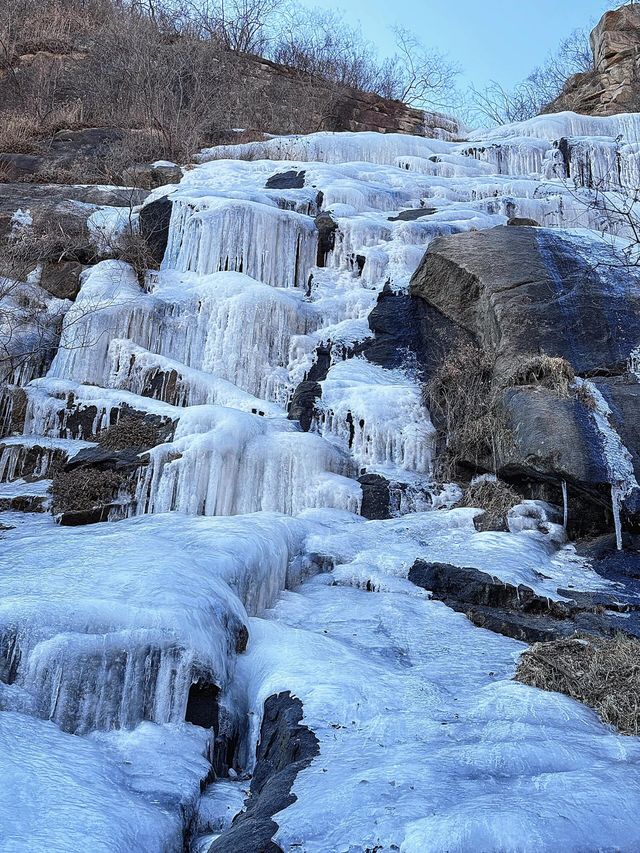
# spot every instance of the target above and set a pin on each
(613, 86)
(520, 612)
(535, 305)
(285, 748)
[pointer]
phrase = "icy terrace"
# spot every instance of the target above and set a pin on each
(425, 742)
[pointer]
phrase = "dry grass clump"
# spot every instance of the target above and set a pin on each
(462, 400)
(495, 497)
(134, 431)
(603, 673)
(19, 133)
(555, 374)
(85, 489)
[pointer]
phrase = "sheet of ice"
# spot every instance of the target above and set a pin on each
(425, 742)
(376, 414)
(554, 126)
(110, 624)
(226, 462)
(225, 324)
(122, 794)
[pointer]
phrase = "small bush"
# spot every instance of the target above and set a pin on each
(495, 497)
(460, 395)
(603, 673)
(553, 373)
(19, 133)
(85, 488)
(135, 431)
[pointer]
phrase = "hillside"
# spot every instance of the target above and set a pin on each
(319, 461)
(613, 86)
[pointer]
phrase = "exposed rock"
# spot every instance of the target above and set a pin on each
(291, 180)
(376, 497)
(302, 405)
(613, 86)
(284, 749)
(61, 279)
(155, 218)
(523, 222)
(327, 227)
(521, 613)
(403, 324)
(522, 291)
(523, 294)
(152, 175)
(412, 215)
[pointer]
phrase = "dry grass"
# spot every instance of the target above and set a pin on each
(555, 374)
(85, 488)
(495, 497)
(134, 431)
(19, 133)
(603, 673)
(461, 397)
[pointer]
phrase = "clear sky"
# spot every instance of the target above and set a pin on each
(491, 39)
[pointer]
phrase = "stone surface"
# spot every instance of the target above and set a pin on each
(521, 613)
(524, 291)
(613, 86)
(284, 749)
(520, 293)
(154, 226)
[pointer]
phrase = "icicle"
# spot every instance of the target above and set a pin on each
(565, 505)
(616, 503)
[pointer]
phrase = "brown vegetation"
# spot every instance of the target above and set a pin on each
(495, 497)
(177, 75)
(85, 488)
(135, 431)
(603, 673)
(460, 396)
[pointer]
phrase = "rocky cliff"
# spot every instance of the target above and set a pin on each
(613, 86)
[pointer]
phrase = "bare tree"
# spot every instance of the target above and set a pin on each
(500, 105)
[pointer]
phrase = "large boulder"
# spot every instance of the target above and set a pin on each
(525, 291)
(532, 297)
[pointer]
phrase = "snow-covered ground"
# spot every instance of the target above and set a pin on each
(426, 743)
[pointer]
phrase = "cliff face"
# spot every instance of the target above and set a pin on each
(614, 84)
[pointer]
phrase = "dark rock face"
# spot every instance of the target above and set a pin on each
(519, 612)
(62, 280)
(409, 328)
(291, 180)
(303, 402)
(376, 498)
(412, 215)
(154, 226)
(327, 228)
(522, 293)
(285, 748)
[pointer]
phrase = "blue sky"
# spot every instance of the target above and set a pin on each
(491, 39)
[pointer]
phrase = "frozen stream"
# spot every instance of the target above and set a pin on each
(244, 568)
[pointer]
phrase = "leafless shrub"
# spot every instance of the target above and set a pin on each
(495, 497)
(603, 673)
(500, 105)
(461, 398)
(19, 133)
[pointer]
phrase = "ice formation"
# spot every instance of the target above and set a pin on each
(106, 630)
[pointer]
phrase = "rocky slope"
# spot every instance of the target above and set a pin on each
(614, 84)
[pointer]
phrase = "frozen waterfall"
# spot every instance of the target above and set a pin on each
(136, 656)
